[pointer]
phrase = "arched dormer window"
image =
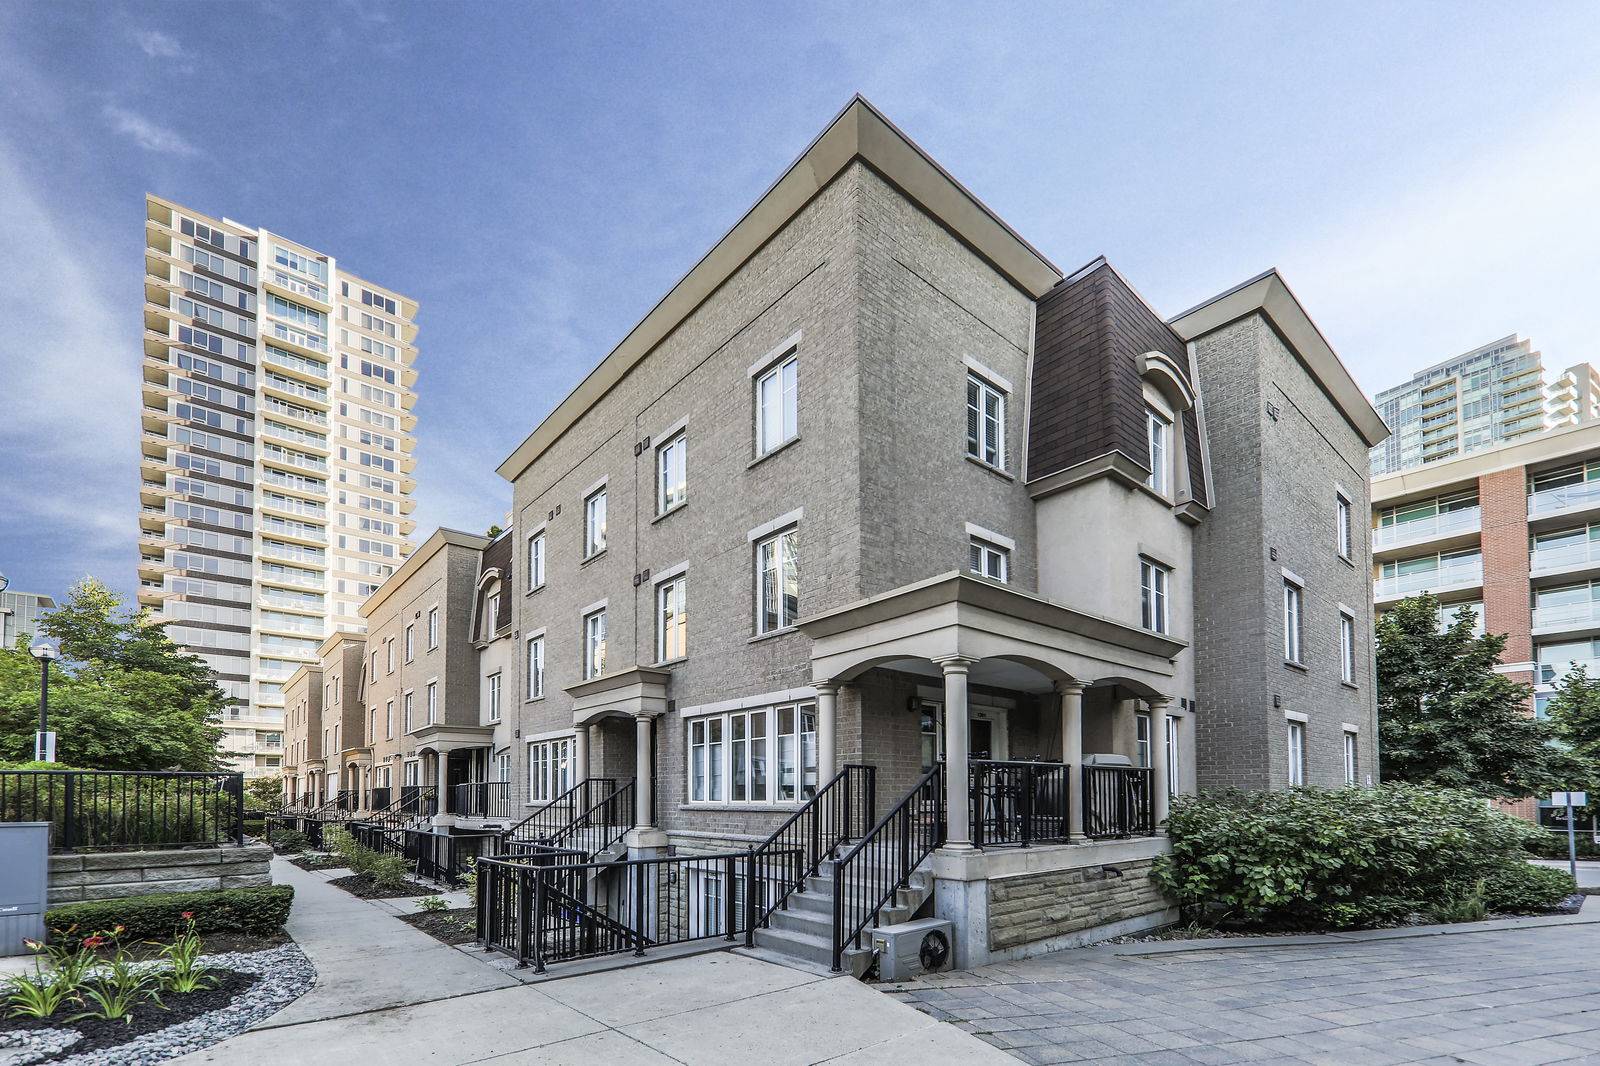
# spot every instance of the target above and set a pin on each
(488, 606)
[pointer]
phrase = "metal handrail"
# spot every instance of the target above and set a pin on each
(1117, 801)
(835, 814)
(126, 809)
(567, 799)
(1018, 803)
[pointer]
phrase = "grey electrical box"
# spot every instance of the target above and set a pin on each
(24, 883)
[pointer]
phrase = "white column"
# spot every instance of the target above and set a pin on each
(644, 785)
(958, 833)
(827, 730)
(1160, 794)
(1072, 752)
(580, 754)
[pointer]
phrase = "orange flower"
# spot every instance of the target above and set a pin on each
(188, 914)
(93, 941)
(33, 945)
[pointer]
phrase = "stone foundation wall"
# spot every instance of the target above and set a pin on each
(1028, 908)
(114, 875)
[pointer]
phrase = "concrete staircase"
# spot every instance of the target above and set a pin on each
(804, 932)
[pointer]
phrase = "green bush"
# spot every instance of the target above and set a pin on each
(1523, 888)
(387, 871)
(119, 810)
(1316, 858)
(230, 910)
(284, 841)
(1548, 845)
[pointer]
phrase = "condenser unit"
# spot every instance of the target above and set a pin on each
(905, 950)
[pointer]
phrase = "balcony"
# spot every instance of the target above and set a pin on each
(288, 505)
(482, 799)
(293, 483)
(295, 363)
(277, 383)
(293, 286)
(297, 437)
(1465, 573)
(1564, 499)
(295, 580)
(296, 530)
(271, 597)
(1564, 557)
(273, 454)
(1434, 527)
(299, 414)
(1564, 617)
(1550, 673)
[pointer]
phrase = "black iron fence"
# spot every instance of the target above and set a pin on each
(380, 797)
(89, 809)
(1117, 801)
(482, 799)
(843, 809)
(866, 878)
(448, 857)
(1019, 803)
(551, 818)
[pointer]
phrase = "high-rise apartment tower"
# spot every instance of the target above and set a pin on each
(276, 479)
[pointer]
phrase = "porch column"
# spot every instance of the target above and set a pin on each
(827, 730)
(1072, 752)
(644, 785)
(958, 832)
(1160, 793)
(580, 754)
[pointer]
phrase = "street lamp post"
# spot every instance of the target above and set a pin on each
(44, 748)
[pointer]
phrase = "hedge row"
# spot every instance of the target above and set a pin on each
(230, 910)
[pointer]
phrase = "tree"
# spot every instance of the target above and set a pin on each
(1574, 712)
(1445, 717)
(266, 790)
(125, 697)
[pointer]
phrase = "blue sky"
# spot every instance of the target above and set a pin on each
(538, 174)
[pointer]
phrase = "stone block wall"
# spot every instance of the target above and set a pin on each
(118, 874)
(1029, 908)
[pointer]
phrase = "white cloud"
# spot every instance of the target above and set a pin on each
(157, 45)
(147, 134)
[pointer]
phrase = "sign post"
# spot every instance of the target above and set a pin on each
(1570, 800)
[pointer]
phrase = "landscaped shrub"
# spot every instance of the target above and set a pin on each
(284, 841)
(1548, 845)
(1316, 858)
(1523, 888)
(230, 910)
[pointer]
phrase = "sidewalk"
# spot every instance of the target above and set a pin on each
(387, 994)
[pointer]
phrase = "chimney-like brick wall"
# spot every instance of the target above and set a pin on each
(1503, 497)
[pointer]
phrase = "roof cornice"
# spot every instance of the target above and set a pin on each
(430, 547)
(859, 132)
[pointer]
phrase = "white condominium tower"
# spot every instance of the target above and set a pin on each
(276, 474)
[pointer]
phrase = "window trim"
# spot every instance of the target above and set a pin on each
(598, 546)
(535, 569)
(410, 646)
(1160, 479)
(433, 627)
(1347, 647)
(679, 582)
(680, 440)
(775, 538)
(987, 386)
(494, 691)
(1152, 596)
(535, 690)
(1294, 595)
(566, 745)
(774, 779)
(986, 548)
(1295, 750)
(593, 667)
(1344, 526)
(1352, 756)
(771, 368)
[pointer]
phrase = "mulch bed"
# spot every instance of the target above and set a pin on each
(147, 1017)
(318, 862)
(365, 888)
(457, 926)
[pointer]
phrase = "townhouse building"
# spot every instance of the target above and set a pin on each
(1513, 535)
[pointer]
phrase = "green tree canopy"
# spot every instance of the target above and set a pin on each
(1575, 713)
(124, 698)
(1446, 718)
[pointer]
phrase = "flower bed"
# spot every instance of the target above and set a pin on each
(454, 926)
(364, 887)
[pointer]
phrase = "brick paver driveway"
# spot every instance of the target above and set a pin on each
(1506, 997)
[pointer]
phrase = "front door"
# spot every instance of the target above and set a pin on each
(987, 733)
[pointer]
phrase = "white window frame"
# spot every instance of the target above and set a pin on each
(550, 768)
(1344, 531)
(1155, 593)
(491, 615)
(594, 644)
(672, 473)
(1351, 756)
(433, 627)
(594, 523)
(1294, 605)
(988, 559)
(536, 561)
(783, 547)
(730, 748)
(1347, 648)
(1143, 731)
(1174, 729)
(411, 642)
(777, 390)
(407, 710)
(534, 648)
(432, 702)
(1295, 738)
(1158, 437)
(388, 645)
(672, 625)
(494, 697)
(986, 433)
(388, 719)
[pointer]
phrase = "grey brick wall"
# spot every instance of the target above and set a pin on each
(1028, 908)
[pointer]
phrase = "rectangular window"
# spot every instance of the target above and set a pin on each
(388, 651)
(1141, 739)
(764, 755)
(502, 767)
(1153, 595)
(672, 620)
(1173, 765)
(594, 645)
(494, 697)
(988, 560)
(672, 485)
(1293, 600)
(777, 582)
(1347, 649)
(1158, 431)
(535, 561)
(388, 720)
(594, 524)
(549, 769)
(778, 405)
(411, 643)
(491, 616)
(1342, 528)
(1297, 753)
(986, 422)
(1350, 766)
(433, 627)
(406, 709)
(433, 702)
(535, 667)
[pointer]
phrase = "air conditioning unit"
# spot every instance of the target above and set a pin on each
(905, 950)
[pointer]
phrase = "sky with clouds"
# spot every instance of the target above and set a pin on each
(538, 174)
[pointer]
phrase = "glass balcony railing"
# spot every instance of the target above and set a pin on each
(1560, 556)
(1567, 615)
(304, 462)
(293, 529)
(298, 578)
(296, 363)
(304, 414)
(1584, 494)
(1434, 526)
(1550, 673)
(1465, 572)
(283, 384)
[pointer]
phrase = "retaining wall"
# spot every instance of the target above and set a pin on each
(117, 874)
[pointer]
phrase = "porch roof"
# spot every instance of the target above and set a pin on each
(638, 690)
(440, 737)
(955, 615)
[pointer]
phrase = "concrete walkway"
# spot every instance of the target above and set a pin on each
(387, 994)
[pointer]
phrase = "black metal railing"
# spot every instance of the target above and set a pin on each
(1117, 801)
(482, 799)
(447, 857)
(866, 878)
(540, 909)
(379, 798)
(417, 803)
(548, 820)
(90, 809)
(842, 810)
(1017, 804)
